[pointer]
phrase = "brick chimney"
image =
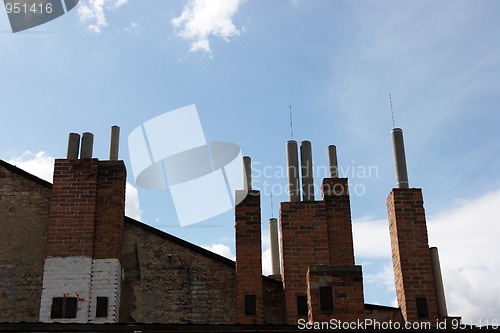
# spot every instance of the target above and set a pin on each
(82, 272)
(411, 256)
(249, 285)
(319, 277)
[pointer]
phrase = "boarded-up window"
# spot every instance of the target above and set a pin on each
(63, 307)
(101, 307)
(422, 311)
(250, 304)
(301, 305)
(326, 298)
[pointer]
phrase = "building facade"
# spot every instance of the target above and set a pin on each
(68, 254)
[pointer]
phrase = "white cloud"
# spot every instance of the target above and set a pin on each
(94, 10)
(467, 238)
(221, 249)
(134, 28)
(201, 19)
(132, 206)
(42, 165)
(266, 262)
(295, 3)
(39, 164)
(371, 238)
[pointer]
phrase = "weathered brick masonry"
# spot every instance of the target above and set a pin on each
(249, 285)
(319, 234)
(411, 258)
(24, 209)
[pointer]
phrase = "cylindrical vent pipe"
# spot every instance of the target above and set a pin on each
(247, 173)
(87, 145)
(73, 146)
(398, 148)
(332, 161)
(114, 144)
(307, 171)
(275, 256)
(292, 164)
(438, 281)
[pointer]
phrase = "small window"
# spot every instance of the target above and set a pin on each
(63, 307)
(422, 311)
(101, 307)
(326, 298)
(302, 305)
(250, 304)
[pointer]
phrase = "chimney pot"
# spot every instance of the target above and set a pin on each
(73, 146)
(114, 143)
(87, 145)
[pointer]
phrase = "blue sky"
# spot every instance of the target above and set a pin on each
(243, 63)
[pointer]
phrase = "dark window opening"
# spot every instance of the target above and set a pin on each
(302, 305)
(250, 304)
(101, 307)
(422, 311)
(326, 298)
(63, 307)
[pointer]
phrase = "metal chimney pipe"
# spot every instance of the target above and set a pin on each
(87, 145)
(292, 164)
(73, 146)
(114, 143)
(307, 171)
(332, 160)
(438, 281)
(247, 173)
(398, 148)
(275, 256)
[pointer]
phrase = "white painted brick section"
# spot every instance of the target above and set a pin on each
(70, 277)
(105, 282)
(86, 279)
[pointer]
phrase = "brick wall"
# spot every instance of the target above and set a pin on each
(72, 208)
(320, 233)
(168, 280)
(274, 304)
(338, 211)
(24, 209)
(249, 260)
(345, 286)
(110, 209)
(410, 253)
(304, 242)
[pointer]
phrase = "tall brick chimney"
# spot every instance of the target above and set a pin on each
(320, 279)
(411, 256)
(82, 272)
(249, 284)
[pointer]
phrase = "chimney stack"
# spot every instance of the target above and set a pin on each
(292, 163)
(275, 257)
(247, 173)
(332, 159)
(114, 143)
(307, 171)
(87, 145)
(73, 146)
(438, 280)
(398, 148)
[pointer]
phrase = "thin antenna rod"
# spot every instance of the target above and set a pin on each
(272, 206)
(291, 124)
(392, 113)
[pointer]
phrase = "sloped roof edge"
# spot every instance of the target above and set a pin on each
(25, 174)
